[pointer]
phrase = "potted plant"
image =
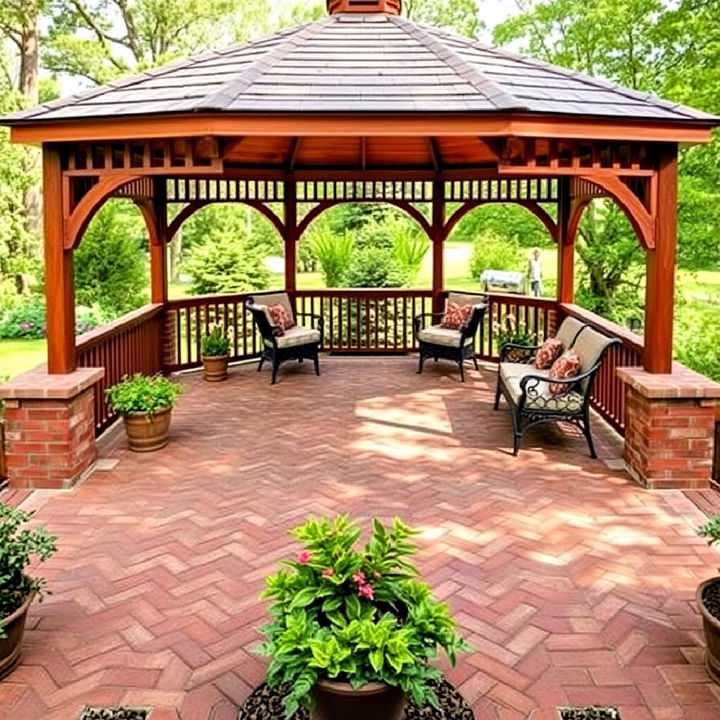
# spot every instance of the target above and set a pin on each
(353, 631)
(145, 403)
(708, 601)
(215, 350)
(17, 589)
(509, 332)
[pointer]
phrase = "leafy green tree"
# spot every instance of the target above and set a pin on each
(333, 251)
(111, 261)
(375, 268)
(462, 16)
(495, 252)
(410, 246)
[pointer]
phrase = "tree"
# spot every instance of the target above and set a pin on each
(110, 263)
(462, 16)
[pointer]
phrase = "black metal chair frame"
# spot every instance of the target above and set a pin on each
(277, 355)
(524, 417)
(466, 351)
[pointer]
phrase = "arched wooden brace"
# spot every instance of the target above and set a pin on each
(192, 207)
(92, 201)
(642, 221)
(531, 205)
(405, 206)
(145, 206)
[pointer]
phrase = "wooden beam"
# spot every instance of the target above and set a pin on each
(435, 155)
(438, 243)
(359, 125)
(292, 157)
(59, 277)
(565, 245)
(290, 236)
(158, 248)
(660, 268)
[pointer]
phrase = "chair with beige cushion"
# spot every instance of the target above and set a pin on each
(527, 388)
(279, 345)
(458, 345)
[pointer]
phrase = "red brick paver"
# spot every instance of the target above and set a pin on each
(573, 585)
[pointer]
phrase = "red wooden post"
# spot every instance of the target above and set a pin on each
(660, 268)
(438, 242)
(290, 238)
(158, 243)
(59, 279)
(565, 245)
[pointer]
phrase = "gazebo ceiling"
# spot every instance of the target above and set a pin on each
(360, 63)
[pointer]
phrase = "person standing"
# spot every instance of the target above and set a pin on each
(535, 273)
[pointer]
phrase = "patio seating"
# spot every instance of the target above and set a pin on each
(458, 345)
(292, 342)
(527, 388)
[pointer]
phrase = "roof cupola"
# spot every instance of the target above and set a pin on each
(391, 7)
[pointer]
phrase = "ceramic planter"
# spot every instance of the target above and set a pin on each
(215, 368)
(13, 628)
(711, 626)
(147, 433)
(334, 700)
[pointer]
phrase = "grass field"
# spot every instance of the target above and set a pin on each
(18, 356)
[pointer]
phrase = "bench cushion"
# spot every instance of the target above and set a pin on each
(281, 298)
(436, 335)
(298, 335)
(512, 373)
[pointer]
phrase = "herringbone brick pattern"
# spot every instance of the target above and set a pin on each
(573, 585)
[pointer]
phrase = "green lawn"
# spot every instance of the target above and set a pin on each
(18, 356)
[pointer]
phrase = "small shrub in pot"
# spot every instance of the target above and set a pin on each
(18, 546)
(350, 621)
(145, 403)
(708, 600)
(215, 349)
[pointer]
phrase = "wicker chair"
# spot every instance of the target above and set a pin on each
(527, 389)
(296, 343)
(457, 345)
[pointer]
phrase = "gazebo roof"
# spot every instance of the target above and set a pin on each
(354, 63)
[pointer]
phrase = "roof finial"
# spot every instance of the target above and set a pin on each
(391, 7)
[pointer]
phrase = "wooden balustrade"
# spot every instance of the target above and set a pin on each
(608, 395)
(130, 344)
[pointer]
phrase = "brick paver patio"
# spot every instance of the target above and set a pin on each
(573, 585)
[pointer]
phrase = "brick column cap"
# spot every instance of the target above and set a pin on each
(681, 384)
(38, 384)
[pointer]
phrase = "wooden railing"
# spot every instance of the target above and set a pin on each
(366, 321)
(608, 395)
(130, 344)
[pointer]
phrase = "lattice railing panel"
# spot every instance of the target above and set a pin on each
(189, 189)
(539, 189)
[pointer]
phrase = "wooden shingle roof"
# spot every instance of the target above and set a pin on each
(355, 63)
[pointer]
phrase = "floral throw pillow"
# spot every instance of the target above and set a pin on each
(281, 318)
(548, 353)
(566, 366)
(456, 316)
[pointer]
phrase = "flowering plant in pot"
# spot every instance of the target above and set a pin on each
(215, 351)
(708, 601)
(509, 331)
(353, 630)
(145, 403)
(18, 545)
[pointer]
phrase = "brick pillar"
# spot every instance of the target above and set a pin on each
(169, 339)
(670, 427)
(50, 427)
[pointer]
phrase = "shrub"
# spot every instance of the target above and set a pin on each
(225, 264)
(111, 263)
(143, 394)
(333, 252)
(27, 321)
(410, 248)
(18, 546)
(355, 616)
(492, 252)
(216, 343)
(375, 268)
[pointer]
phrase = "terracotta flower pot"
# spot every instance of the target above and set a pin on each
(711, 626)
(339, 701)
(215, 368)
(147, 433)
(13, 628)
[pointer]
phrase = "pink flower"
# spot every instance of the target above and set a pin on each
(328, 573)
(366, 591)
(359, 577)
(304, 557)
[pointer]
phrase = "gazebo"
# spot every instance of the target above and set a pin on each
(360, 106)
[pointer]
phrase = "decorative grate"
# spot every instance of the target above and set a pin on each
(114, 713)
(596, 712)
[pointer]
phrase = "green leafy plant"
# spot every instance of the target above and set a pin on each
(143, 394)
(711, 530)
(493, 252)
(216, 342)
(509, 331)
(355, 616)
(333, 252)
(410, 248)
(376, 268)
(18, 545)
